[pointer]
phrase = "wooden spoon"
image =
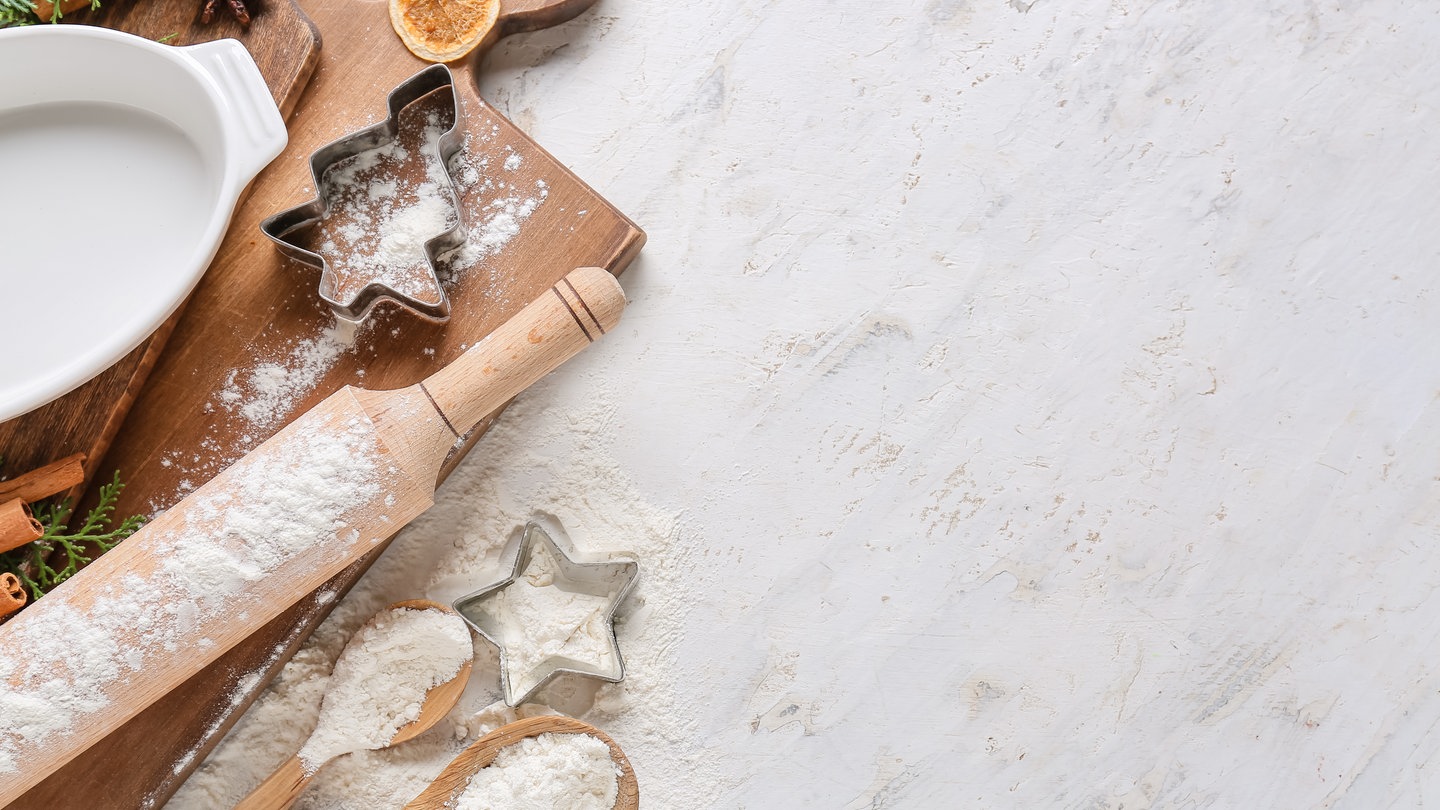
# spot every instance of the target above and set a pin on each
(400, 441)
(285, 785)
(452, 781)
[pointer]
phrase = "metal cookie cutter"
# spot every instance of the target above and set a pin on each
(492, 616)
(282, 227)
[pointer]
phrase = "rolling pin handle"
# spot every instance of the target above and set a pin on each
(575, 312)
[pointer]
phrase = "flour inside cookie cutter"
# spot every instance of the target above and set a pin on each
(603, 582)
(284, 228)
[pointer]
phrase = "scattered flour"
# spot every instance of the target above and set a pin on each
(374, 231)
(59, 665)
(43, 692)
(571, 771)
(540, 622)
(378, 219)
(266, 393)
(381, 680)
(535, 459)
(495, 209)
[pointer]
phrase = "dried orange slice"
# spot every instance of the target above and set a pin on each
(443, 30)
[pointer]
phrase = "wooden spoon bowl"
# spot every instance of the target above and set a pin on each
(442, 698)
(452, 781)
(284, 786)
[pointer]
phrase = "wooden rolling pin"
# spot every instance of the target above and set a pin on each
(277, 524)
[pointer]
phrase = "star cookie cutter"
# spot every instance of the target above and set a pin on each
(484, 610)
(282, 227)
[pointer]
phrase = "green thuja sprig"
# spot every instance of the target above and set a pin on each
(14, 13)
(32, 563)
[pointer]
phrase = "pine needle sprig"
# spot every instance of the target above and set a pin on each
(32, 563)
(15, 13)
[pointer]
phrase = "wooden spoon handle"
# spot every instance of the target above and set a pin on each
(519, 16)
(280, 790)
(570, 316)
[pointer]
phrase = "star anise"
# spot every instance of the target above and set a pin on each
(237, 7)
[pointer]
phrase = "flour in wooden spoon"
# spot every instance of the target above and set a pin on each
(382, 678)
(274, 508)
(546, 454)
(573, 771)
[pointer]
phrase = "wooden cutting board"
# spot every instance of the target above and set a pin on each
(253, 307)
(286, 48)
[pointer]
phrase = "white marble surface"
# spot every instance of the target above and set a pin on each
(1048, 390)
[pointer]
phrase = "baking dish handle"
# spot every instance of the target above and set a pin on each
(253, 125)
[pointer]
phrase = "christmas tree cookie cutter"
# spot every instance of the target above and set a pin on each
(284, 228)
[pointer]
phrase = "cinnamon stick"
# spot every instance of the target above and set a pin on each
(41, 483)
(17, 525)
(44, 9)
(12, 594)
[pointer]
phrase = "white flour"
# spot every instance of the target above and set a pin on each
(385, 220)
(267, 392)
(541, 621)
(59, 665)
(570, 771)
(382, 219)
(535, 459)
(496, 209)
(503, 217)
(382, 678)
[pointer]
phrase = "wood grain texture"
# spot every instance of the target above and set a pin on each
(577, 311)
(283, 40)
(285, 45)
(254, 304)
(452, 781)
(394, 442)
(280, 789)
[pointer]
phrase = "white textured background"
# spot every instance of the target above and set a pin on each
(1049, 389)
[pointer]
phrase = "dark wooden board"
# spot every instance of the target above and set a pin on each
(254, 304)
(285, 45)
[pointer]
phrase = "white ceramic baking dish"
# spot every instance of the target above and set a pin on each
(121, 161)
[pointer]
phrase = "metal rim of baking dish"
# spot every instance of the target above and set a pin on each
(278, 227)
(625, 573)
